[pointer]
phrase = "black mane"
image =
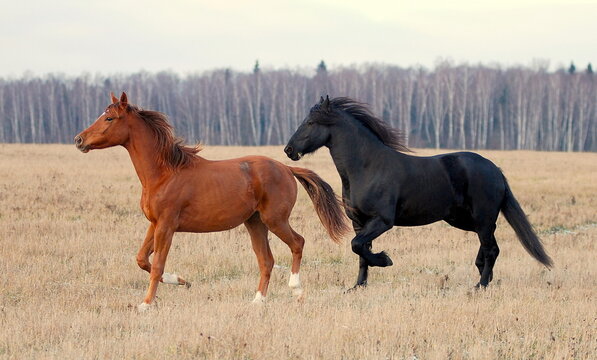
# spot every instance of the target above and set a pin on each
(391, 137)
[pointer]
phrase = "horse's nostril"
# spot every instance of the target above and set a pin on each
(288, 149)
(78, 140)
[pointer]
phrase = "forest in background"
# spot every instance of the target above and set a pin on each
(449, 106)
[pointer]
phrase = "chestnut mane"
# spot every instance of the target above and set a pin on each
(174, 153)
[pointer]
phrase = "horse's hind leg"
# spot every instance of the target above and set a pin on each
(258, 232)
(296, 243)
(143, 260)
(480, 261)
(488, 253)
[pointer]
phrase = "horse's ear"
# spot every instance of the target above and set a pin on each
(123, 100)
(114, 98)
(325, 105)
(321, 100)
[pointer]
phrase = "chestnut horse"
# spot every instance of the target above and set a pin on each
(186, 193)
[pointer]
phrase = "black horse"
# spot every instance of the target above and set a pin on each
(383, 187)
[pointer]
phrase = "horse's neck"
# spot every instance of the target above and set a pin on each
(143, 150)
(353, 148)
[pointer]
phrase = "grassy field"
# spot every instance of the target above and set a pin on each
(70, 226)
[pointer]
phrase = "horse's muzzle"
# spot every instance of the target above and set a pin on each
(289, 150)
(79, 144)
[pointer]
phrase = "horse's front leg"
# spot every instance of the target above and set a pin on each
(162, 239)
(143, 260)
(363, 265)
(363, 270)
(146, 250)
(374, 227)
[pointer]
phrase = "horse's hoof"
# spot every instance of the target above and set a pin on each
(355, 288)
(187, 285)
(143, 307)
(381, 260)
(388, 261)
(480, 286)
(259, 299)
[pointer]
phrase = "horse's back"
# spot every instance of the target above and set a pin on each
(219, 195)
(476, 181)
(273, 183)
(477, 170)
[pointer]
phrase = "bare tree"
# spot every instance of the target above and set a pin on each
(452, 106)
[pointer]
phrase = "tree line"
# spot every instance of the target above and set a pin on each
(449, 106)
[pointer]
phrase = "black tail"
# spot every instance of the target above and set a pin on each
(523, 229)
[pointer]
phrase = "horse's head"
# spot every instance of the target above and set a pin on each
(110, 128)
(313, 133)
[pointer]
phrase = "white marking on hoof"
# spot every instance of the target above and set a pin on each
(259, 298)
(168, 278)
(143, 307)
(295, 284)
(294, 281)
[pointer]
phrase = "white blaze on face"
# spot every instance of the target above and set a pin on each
(168, 278)
(259, 298)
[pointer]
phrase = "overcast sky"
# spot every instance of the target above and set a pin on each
(186, 36)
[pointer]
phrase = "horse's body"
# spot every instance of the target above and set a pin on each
(251, 180)
(383, 187)
(183, 192)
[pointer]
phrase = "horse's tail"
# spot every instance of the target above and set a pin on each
(523, 229)
(327, 205)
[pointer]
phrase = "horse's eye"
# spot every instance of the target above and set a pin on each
(309, 123)
(109, 119)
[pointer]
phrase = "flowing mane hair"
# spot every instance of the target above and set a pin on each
(391, 137)
(173, 152)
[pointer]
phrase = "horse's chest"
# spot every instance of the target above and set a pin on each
(146, 207)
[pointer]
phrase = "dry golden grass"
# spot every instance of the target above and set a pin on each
(70, 226)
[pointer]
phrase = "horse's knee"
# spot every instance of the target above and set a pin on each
(300, 241)
(491, 253)
(480, 262)
(143, 263)
(357, 247)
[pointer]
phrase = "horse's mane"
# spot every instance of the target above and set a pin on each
(391, 137)
(173, 151)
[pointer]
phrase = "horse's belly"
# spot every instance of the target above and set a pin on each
(419, 220)
(213, 220)
(420, 215)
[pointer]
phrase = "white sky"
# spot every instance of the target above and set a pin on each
(186, 36)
